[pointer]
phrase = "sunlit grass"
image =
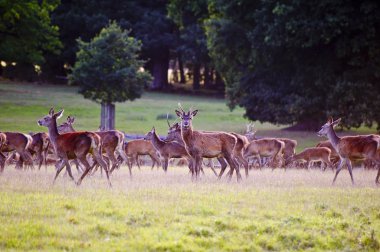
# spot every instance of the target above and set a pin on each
(292, 210)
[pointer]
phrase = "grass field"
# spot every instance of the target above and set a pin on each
(269, 211)
(292, 210)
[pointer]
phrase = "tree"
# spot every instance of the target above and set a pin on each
(26, 32)
(108, 70)
(296, 62)
(147, 21)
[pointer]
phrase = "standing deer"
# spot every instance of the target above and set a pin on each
(20, 143)
(135, 148)
(310, 155)
(74, 145)
(351, 147)
(39, 147)
(111, 140)
(168, 150)
(206, 145)
(265, 147)
(3, 139)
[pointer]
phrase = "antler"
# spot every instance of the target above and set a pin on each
(167, 119)
(180, 107)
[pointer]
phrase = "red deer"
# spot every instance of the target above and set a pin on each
(174, 134)
(334, 155)
(20, 143)
(265, 147)
(351, 147)
(206, 145)
(310, 155)
(111, 140)
(75, 145)
(135, 148)
(3, 139)
(168, 150)
(39, 147)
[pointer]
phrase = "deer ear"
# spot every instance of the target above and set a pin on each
(194, 112)
(72, 120)
(153, 130)
(179, 114)
(336, 122)
(58, 114)
(51, 111)
(330, 120)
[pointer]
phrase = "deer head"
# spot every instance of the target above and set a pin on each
(50, 119)
(174, 132)
(328, 126)
(149, 135)
(186, 117)
(250, 133)
(67, 126)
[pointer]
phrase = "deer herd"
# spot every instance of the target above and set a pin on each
(108, 150)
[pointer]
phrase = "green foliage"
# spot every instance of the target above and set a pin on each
(108, 69)
(299, 61)
(26, 32)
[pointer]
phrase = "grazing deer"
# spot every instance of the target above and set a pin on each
(351, 147)
(200, 144)
(20, 143)
(111, 140)
(168, 150)
(3, 140)
(265, 147)
(135, 148)
(39, 147)
(310, 155)
(74, 145)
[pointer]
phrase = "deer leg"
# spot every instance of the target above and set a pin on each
(233, 165)
(2, 162)
(378, 172)
(27, 157)
(98, 157)
(338, 169)
(348, 163)
(165, 164)
(59, 167)
(223, 166)
(138, 162)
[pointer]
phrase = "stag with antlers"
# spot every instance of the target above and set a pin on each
(74, 145)
(211, 144)
(351, 147)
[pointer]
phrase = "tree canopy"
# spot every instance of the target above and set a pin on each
(26, 32)
(108, 68)
(299, 61)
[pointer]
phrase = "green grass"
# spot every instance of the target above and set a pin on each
(293, 210)
(21, 105)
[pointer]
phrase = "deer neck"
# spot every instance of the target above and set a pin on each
(53, 134)
(187, 135)
(333, 138)
(157, 142)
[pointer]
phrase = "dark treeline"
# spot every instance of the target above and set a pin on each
(289, 62)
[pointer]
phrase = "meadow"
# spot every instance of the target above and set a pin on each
(154, 211)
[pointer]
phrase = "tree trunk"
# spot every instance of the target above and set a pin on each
(207, 78)
(196, 76)
(160, 67)
(218, 81)
(107, 116)
(182, 77)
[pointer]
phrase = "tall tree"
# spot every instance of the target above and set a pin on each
(147, 21)
(26, 32)
(296, 62)
(108, 70)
